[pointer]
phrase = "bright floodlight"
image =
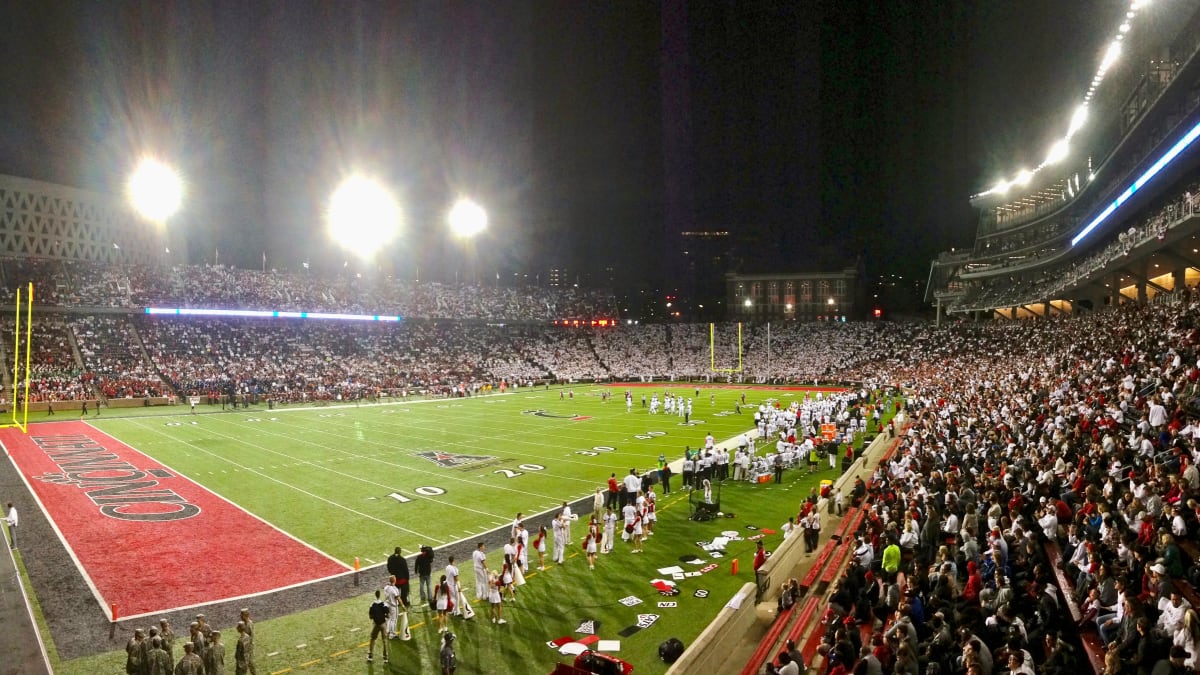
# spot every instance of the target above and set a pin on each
(1077, 120)
(155, 190)
(1110, 56)
(1023, 177)
(467, 218)
(363, 216)
(1058, 151)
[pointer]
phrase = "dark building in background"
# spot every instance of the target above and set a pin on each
(741, 121)
(804, 296)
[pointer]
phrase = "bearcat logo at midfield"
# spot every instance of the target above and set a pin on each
(111, 483)
(542, 413)
(450, 460)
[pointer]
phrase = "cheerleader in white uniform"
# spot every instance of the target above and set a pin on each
(610, 526)
(591, 544)
(506, 578)
(539, 545)
(494, 597)
(443, 602)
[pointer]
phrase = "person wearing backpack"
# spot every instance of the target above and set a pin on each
(379, 616)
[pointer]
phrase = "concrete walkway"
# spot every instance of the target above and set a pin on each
(20, 644)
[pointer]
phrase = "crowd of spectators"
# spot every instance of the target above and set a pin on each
(1047, 486)
(112, 358)
(54, 374)
(84, 284)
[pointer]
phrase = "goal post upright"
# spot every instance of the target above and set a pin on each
(21, 419)
(712, 350)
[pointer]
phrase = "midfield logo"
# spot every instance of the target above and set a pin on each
(450, 460)
(542, 413)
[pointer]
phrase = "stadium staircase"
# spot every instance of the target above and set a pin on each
(592, 346)
(78, 356)
(5, 357)
(75, 353)
(145, 357)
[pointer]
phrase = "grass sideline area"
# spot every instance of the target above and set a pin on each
(353, 458)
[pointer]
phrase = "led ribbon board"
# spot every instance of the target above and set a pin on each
(269, 314)
(1168, 157)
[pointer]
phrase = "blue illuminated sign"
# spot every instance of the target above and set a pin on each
(1162, 162)
(267, 314)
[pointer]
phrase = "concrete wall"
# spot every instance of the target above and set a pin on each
(713, 646)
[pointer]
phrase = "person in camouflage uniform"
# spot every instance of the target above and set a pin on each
(245, 650)
(214, 660)
(168, 637)
(197, 638)
(134, 653)
(158, 661)
(189, 663)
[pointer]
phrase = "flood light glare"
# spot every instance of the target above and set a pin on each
(1058, 152)
(1023, 177)
(1111, 56)
(1078, 119)
(155, 190)
(363, 217)
(467, 218)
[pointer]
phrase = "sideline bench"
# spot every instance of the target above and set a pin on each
(1094, 650)
(840, 533)
(1190, 548)
(1089, 639)
(807, 613)
(767, 645)
(818, 565)
(1187, 591)
(1065, 587)
(835, 566)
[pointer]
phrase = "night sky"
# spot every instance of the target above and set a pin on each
(591, 131)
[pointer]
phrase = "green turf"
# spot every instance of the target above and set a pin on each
(323, 475)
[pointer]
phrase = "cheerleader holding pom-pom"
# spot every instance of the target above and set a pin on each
(591, 544)
(495, 583)
(539, 545)
(506, 578)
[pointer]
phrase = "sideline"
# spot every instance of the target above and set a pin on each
(20, 632)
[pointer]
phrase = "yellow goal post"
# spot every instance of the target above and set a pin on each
(19, 410)
(712, 350)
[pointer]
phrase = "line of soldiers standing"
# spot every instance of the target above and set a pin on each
(203, 651)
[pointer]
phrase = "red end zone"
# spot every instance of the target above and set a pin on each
(146, 538)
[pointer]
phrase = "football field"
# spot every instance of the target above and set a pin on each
(355, 481)
(325, 487)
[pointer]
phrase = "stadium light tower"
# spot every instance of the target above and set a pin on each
(363, 216)
(155, 190)
(467, 218)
